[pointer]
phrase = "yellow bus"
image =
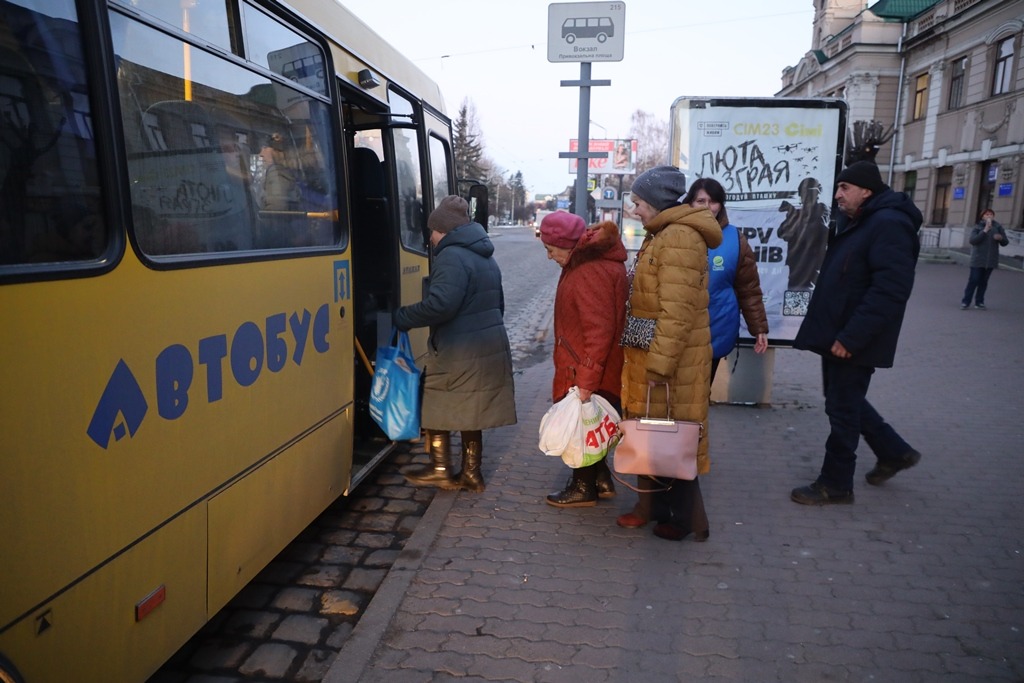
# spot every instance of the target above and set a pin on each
(207, 212)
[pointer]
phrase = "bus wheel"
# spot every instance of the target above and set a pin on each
(601, 37)
(8, 674)
(570, 39)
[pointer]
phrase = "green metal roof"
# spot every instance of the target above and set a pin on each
(903, 10)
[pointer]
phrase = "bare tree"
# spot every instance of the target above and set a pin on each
(652, 136)
(864, 139)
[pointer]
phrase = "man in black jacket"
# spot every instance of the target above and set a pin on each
(853, 322)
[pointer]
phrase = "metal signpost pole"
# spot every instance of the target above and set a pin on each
(583, 169)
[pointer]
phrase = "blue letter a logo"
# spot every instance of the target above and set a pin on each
(122, 407)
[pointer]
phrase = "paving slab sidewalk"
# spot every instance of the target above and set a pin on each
(922, 579)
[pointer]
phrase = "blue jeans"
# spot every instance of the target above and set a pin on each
(850, 416)
(978, 280)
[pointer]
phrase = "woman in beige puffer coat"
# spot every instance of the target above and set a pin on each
(670, 285)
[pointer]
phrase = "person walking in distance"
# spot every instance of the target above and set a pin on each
(468, 382)
(985, 239)
(853, 322)
(590, 311)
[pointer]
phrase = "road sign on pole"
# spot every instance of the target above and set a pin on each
(586, 31)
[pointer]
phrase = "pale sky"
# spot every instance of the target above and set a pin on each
(495, 54)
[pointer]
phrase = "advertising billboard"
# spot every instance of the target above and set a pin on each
(777, 159)
(620, 157)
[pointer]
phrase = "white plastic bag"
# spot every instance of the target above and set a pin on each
(581, 433)
(561, 424)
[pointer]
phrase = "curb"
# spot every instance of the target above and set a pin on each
(353, 658)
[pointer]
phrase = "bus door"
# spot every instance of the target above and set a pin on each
(439, 152)
(374, 253)
(414, 203)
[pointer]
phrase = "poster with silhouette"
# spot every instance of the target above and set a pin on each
(777, 159)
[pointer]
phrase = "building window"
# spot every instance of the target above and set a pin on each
(1003, 66)
(920, 97)
(910, 183)
(958, 68)
(943, 192)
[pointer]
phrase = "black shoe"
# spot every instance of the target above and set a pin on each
(605, 483)
(980, 307)
(577, 494)
(670, 532)
(884, 471)
(819, 494)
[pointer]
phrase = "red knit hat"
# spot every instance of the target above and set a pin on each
(562, 229)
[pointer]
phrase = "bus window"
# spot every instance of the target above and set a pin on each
(280, 49)
(207, 20)
(411, 216)
(50, 209)
(439, 169)
(220, 159)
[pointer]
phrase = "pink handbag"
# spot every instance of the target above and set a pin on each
(658, 447)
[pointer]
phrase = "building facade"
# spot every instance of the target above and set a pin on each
(944, 78)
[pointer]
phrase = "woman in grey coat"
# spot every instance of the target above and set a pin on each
(468, 370)
(985, 240)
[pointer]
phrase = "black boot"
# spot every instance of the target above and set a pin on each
(471, 479)
(438, 472)
(605, 482)
(580, 492)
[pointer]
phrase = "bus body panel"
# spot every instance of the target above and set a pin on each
(72, 487)
(89, 633)
(245, 535)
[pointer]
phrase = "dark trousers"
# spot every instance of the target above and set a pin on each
(850, 416)
(714, 368)
(682, 504)
(978, 280)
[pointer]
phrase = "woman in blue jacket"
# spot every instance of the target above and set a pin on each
(734, 285)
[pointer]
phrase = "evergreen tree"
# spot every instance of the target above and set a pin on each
(466, 146)
(518, 195)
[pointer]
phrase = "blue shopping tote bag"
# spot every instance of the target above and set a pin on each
(395, 394)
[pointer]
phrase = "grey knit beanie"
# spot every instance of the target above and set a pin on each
(661, 187)
(451, 213)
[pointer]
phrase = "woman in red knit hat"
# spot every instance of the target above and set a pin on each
(590, 311)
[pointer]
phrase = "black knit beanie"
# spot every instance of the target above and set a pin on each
(661, 187)
(862, 174)
(451, 213)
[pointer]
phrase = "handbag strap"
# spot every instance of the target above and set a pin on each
(668, 401)
(619, 479)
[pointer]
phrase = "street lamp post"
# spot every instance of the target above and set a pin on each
(512, 200)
